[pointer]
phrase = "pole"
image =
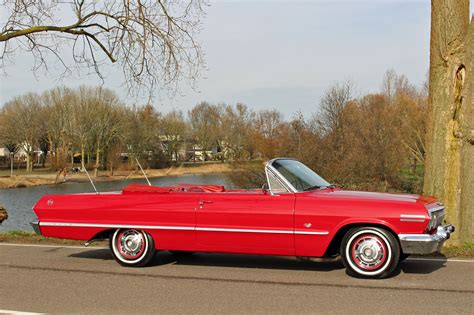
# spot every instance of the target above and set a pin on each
(12, 157)
(90, 179)
(149, 184)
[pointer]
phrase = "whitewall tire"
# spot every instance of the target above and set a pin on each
(370, 252)
(131, 247)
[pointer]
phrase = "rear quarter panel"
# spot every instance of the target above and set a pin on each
(149, 209)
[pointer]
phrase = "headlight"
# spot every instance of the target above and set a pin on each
(436, 217)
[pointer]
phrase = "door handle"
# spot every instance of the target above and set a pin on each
(202, 202)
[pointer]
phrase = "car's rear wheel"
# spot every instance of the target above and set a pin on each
(131, 247)
(370, 252)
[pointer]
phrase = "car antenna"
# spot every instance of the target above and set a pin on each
(90, 179)
(144, 174)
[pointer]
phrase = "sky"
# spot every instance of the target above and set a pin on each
(278, 54)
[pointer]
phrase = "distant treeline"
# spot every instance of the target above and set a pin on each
(370, 141)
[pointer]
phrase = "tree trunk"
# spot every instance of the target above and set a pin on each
(12, 159)
(466, 128)
(97, 161)
(83, 152)
(449, 24)
(29, 163)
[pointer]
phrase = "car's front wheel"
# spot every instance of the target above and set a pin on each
(370, 252)
(132, 248)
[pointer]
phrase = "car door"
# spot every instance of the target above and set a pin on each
(245, 222)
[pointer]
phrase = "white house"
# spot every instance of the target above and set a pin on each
(4, 152)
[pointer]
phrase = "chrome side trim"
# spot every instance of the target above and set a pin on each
(118, 226)
(204, 229)
(182, 228)
(412, 218)
(312, 233)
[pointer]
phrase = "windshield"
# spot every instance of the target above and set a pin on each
(301, 177)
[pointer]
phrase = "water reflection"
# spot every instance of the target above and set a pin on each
(19, 201)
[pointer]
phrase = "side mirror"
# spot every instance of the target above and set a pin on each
(265, 187)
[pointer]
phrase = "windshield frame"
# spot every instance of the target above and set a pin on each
(270, 170)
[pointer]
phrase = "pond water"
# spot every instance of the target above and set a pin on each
(19, 201)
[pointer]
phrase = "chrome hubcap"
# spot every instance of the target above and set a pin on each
(131, 243)
(369, 252)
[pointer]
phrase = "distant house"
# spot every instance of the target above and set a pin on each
(4, 152)
(20, 154)
(179, 151)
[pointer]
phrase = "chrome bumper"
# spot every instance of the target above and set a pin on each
(36, 227)
(423, 244)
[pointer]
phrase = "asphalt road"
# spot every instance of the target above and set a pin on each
(54, 279)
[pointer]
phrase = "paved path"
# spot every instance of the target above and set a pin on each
(56, 279)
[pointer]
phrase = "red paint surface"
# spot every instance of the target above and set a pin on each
(317, 211)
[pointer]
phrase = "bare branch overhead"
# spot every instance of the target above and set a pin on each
(153, 41)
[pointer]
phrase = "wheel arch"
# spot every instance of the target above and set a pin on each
(335, 244)
(102, 235)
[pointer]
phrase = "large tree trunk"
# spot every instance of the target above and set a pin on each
(449, 25)
(466, 134)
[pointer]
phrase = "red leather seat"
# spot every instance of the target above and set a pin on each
(201, 188)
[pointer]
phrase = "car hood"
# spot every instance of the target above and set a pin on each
(376, 196)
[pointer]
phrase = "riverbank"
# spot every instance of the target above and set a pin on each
(21, 237)
(46, 177)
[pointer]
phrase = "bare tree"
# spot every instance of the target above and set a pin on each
(107, 123)
(389, 85)
(141, 134)
(205, 120)
(22, 123)
(173, 129)
(330, 118)
(298, 126)
(409, 114)
(266, 132)
(59, 104)
(82, 114)
(152, 40)
(234, 136)
(332, 106)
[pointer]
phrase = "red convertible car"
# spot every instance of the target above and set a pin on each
(297, 213)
